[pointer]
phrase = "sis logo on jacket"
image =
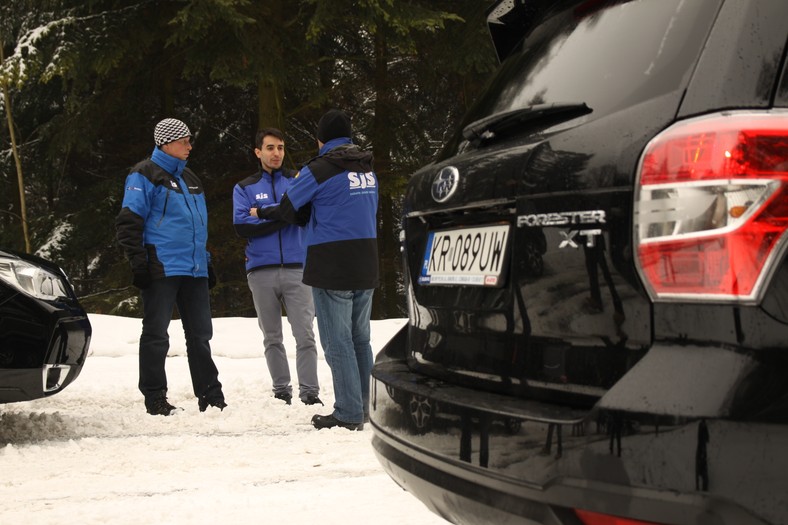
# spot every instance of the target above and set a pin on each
(261, 196)
(361, 180)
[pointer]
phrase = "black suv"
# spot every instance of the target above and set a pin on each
(44, 331)
(597, 278)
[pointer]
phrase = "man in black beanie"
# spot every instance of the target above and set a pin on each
(341, 260)
(333, 124)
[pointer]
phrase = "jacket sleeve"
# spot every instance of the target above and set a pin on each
(256, 230)
(129, 228)
(295, 207)
(244, 224)
(283, 212)
(130, 224)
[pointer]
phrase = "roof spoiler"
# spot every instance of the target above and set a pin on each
(509, 20)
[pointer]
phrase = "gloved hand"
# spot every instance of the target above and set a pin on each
(303, 214)
(141, 278)
(211, 277)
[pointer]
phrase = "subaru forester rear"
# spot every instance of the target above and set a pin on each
(597, 278)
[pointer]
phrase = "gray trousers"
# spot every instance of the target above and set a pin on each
(271, 289)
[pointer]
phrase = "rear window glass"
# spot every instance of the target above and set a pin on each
(610, 57)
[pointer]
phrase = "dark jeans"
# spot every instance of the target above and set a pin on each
(190, 296)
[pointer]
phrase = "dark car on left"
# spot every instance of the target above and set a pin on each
(44, 331)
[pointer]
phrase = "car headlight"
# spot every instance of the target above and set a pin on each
(32, 280)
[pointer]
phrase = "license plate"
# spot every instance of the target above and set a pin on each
(466, 256)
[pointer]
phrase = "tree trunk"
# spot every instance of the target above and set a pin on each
(269, 107)
(386, 299)
(17, 160)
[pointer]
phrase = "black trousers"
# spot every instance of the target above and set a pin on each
(190, 296)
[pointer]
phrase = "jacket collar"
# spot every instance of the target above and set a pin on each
(167, 162)
(333, 143)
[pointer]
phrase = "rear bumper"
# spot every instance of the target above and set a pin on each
(479, 457)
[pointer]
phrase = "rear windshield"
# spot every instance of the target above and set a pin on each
(608, 55)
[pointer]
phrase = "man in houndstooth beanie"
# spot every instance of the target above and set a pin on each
(164, 236)
(170, 130)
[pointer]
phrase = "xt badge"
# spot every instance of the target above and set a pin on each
(570, 238)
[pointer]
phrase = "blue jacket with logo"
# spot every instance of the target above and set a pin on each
(341, 236)
(163, 223)
(269, 243)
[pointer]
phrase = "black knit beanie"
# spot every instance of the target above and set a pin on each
(332, 125)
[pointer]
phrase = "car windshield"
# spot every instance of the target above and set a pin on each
(610, 58)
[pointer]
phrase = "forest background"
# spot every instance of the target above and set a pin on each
(85, 81)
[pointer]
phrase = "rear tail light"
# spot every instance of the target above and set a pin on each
(592, 518)
(711, 211)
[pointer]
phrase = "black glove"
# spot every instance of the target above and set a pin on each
(211, 277)
(303, 214)
(142, 278)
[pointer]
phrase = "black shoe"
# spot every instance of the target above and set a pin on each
(330, 421)
(284, 396)
(312, 399)
(158, 406)
(203, 403)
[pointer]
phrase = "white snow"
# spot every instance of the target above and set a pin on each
(91, 454)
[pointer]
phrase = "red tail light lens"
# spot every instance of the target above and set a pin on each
(592, 518)
(711, 211)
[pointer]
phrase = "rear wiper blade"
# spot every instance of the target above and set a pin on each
(487, 127)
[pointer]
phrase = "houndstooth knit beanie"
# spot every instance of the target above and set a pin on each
(168, 130)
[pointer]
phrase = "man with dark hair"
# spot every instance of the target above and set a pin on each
(274, 270)
(341, 260)
(163, 229)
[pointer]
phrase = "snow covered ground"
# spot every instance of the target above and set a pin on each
(91, 454)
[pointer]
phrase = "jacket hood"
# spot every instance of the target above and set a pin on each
(347, 152)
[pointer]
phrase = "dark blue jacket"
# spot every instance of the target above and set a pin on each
(269, 243)
(163, 223)
(341, 235)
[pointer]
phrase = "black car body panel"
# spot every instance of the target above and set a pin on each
(741, 59)
(44, 341)
(566, 382)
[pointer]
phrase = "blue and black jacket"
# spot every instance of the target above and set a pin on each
(163, 223)
(341, 235)
(269, 243)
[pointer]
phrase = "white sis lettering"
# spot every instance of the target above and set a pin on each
(361, 180)
(261, 196)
